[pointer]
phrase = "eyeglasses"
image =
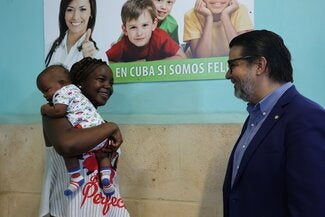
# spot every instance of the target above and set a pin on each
(231, 62)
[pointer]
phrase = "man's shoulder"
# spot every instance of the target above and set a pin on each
(298, 101)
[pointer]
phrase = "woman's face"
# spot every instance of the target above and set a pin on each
(77, 16)
(98, 87)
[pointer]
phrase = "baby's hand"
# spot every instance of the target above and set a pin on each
(201, 8)
(45, 108)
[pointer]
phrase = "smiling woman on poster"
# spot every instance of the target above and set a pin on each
(77, 20)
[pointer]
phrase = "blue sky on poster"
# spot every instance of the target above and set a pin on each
(108, 23)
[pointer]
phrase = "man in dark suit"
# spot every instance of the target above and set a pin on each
(277, 167)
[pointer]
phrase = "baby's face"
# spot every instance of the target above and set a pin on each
(48, 87)
(217, 6)
(139, 30)
(163, 8)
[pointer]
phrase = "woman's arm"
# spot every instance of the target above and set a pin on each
(69, 141)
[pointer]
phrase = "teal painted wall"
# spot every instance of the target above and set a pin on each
(301, 24)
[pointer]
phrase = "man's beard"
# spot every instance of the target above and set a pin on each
(245, 89)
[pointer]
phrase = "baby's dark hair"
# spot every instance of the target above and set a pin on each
(82, 69)
(57, 72)
(132, 9)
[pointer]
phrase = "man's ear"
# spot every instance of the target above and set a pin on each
(261, 65)
(155, 24)
(124, 30)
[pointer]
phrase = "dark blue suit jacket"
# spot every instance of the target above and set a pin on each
(282, 173)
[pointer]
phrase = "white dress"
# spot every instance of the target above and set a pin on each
(88, 201)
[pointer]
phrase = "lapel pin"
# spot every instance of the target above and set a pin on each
(276, 117)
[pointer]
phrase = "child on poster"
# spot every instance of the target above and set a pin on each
(166, 21)
(142, 40)
(210, 26)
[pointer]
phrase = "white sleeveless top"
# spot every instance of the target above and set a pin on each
(88, 201)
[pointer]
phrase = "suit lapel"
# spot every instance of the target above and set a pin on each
(272, 119)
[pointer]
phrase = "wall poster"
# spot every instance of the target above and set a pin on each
(182, 24)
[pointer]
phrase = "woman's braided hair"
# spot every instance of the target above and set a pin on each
(80, 71)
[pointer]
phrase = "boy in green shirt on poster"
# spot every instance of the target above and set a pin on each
(165, 20)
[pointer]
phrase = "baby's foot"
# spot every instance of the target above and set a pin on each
(107, 176)
(75, 183)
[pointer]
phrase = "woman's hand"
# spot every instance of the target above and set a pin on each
(114, 141)
(88, 47)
